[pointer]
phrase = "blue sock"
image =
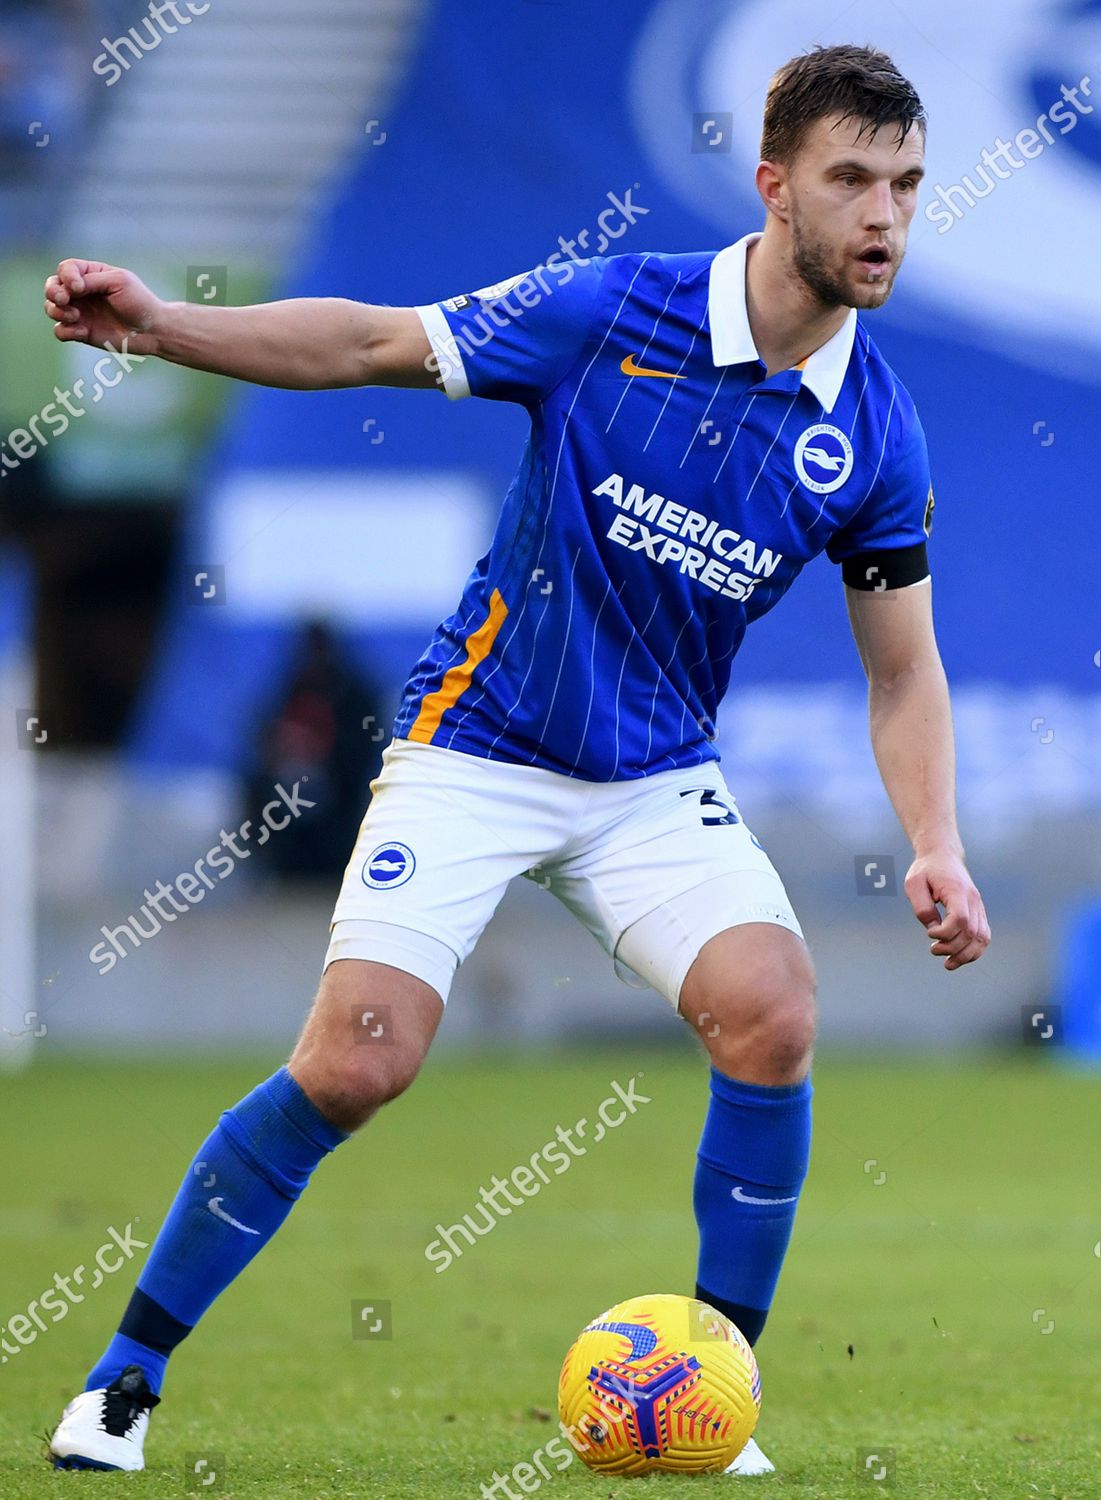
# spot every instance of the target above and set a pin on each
(752, 1160)
(239, 1189)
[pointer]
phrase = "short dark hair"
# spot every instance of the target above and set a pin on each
(857, 83)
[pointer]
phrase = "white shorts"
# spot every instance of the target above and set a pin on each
(653, 867)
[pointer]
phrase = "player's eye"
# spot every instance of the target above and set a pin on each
(850, 179)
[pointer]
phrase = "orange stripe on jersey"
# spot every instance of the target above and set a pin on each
(457, 679)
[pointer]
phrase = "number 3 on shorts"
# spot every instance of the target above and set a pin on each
(709, 799)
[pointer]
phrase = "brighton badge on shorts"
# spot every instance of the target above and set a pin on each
(388, 866)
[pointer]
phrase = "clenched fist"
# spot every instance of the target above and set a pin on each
(100, 305)
(940, 879)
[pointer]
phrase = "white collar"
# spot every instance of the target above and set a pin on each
(732, 338)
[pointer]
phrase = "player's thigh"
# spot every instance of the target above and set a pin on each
(731, 946)
(676, 866)
(443, 836)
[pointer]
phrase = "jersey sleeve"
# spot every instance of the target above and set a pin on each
(516, 340)
(883, 546)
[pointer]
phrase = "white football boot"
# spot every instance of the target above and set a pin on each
(105, 1429)
(751, 1461)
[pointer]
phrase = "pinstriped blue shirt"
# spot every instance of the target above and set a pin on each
(669, 494)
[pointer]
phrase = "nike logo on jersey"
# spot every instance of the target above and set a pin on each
(741, 1197)
(215, 1206)
(630, 368)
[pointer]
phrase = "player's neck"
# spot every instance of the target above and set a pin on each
(787, 321)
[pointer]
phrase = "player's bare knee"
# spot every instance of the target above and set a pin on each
(763, 1026)
(349, 1086)
(365, 1040)
(772, 1044)
(786, 1042)
(387, 1077)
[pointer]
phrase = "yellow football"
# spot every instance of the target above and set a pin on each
(659, 1382)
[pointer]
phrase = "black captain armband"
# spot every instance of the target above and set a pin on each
(886, 568)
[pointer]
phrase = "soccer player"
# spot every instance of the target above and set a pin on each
(702, 425)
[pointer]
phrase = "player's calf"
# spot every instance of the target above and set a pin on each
(235, 1195)
(750, 995)
(363, 1044)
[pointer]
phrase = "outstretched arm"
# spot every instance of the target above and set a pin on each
(911, 731)
(307, 344)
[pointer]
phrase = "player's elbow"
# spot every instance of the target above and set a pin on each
(897, 676)
(343, 358)
(341, 345)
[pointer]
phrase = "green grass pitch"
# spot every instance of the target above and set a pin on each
(940, 1307)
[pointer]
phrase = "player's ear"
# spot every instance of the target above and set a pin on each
(772, 184)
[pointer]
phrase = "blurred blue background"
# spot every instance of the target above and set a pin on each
(402, 151)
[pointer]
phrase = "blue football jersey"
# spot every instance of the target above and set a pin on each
(669, 494)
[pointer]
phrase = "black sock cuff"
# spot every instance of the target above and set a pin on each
(148, 1323)
(749, 1321)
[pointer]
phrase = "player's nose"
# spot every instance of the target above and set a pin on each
(880, 207)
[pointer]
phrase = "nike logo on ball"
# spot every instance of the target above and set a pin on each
(215, 1206)
(745, 1197)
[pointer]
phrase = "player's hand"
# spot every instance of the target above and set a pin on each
(962, 933)
(91, 303)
